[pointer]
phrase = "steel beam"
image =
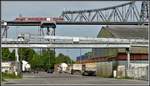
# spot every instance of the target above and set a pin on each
(72, 45)
(14, 23)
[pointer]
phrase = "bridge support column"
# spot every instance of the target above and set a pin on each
(17, 63)
(50, 32)
(128, 58)
(128, 72)
(16, 54)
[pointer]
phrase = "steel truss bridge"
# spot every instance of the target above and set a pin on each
(124, 14)
(74, 42)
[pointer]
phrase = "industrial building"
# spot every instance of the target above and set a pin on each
(138, 54)
(127, 32)
(117, 57)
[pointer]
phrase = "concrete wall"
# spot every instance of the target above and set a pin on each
(138, 71)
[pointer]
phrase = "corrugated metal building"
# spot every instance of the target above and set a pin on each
(137, 54)
(123, 31)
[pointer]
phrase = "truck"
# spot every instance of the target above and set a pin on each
(89, 69)
(76, 69)
(26, 66)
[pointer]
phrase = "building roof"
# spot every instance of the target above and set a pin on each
(128, 31)
(122, 31)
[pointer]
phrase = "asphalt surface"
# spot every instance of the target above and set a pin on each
(47, 79)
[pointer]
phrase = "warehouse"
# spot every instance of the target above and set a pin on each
(127, 32)
(118, 57)
(122, 31)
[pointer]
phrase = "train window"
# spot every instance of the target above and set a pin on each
(22, 19)
(17, 18)
(48, 19)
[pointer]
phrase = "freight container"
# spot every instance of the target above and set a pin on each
(76, 69)
(89, 69)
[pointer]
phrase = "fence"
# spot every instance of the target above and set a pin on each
(138, 71)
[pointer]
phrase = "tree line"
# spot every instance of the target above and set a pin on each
(43, 60)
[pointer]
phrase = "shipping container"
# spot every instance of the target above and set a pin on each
(89, 69)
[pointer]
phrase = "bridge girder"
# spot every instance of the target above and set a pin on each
(18, 45)
(127, 12)
(144, 16)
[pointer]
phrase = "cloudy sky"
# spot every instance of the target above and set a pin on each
(11, 9)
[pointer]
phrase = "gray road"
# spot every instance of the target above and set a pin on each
(44, 79)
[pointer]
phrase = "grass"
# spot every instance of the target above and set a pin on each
(125, 77)
(3, 79)
(10, 76)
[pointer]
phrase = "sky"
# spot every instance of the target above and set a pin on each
(11, 9)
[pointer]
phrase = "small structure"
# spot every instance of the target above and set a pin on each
(63, 67)
(8, 67)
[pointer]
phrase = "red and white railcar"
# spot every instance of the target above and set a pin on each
(39, 19)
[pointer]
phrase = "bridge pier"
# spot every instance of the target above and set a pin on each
(128, 58)
(128, 62)
(17, 63)
(50, 26)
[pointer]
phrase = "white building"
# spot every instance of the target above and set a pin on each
(8, 66)
(63, 67)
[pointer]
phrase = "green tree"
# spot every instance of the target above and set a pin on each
(35, 61)
(52, 57)
(63, 59)
(45, 60)
(26, 54)
(48, 58)
(12, 56)
(5, 54)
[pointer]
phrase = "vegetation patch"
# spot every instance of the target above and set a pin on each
(43, 60)
(10, 76)
(125, 77)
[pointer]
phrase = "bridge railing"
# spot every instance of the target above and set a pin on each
(85, 40)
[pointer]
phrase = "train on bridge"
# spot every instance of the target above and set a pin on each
(39, 19)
